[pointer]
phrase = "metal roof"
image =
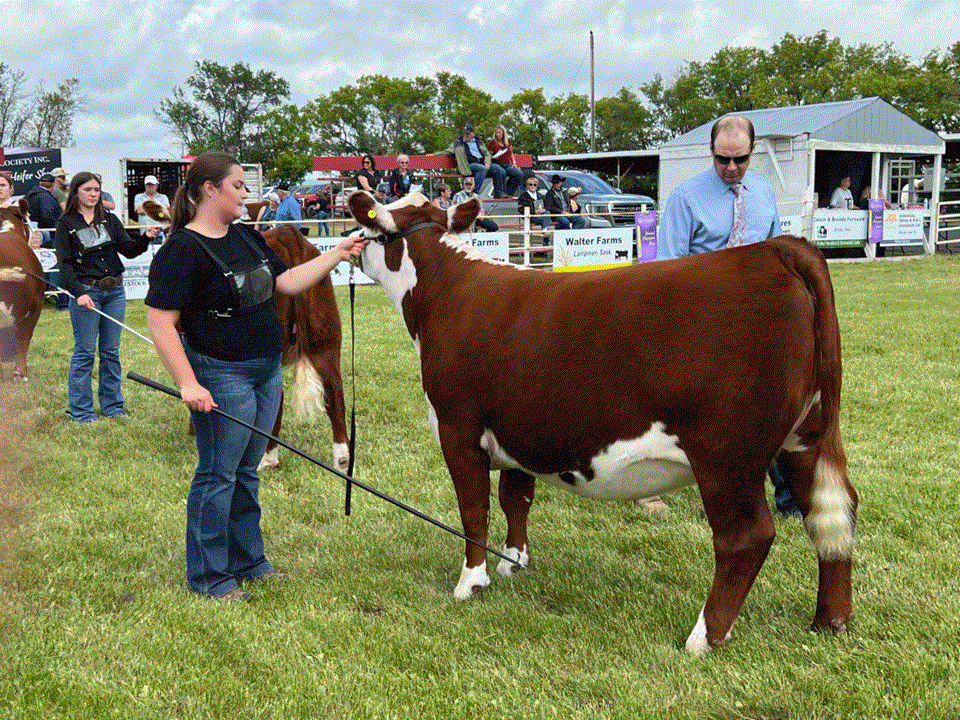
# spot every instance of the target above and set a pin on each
(867, 121)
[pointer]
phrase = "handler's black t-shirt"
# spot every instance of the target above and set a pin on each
(183, 277)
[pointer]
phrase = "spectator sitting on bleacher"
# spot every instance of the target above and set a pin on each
(531, 200)
(380, 194)
(473, 158)
(501, 152)
(467, 193)
(401, 178)
(557, 204)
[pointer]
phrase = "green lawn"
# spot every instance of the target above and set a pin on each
(97, 622)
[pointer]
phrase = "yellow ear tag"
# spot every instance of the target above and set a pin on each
(371, 214)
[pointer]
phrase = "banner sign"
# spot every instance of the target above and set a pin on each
(495, 245)
(851, 228)
(592, 248)
(646, 235)
(27, 165)
(903, 227)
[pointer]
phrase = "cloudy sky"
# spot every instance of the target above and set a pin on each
(127, 55)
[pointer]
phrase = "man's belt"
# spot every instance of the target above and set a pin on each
(109, 282)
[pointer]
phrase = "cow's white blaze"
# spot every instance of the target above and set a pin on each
(625, 470)
(472, 581)
(395, 284)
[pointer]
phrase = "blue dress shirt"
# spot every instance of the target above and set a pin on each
(698, 216)
(289, 211)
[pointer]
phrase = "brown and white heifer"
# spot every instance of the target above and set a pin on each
(21, 295)
(627, 383)
(310, 335)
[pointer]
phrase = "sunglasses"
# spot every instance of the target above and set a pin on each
(726, 159)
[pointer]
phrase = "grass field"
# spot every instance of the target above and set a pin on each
(96, 621)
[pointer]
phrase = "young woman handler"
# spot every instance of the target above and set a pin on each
(87, 241)
(217, 278)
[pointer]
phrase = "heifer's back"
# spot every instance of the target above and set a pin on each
(21, 294)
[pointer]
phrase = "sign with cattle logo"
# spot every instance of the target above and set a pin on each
(592, 248)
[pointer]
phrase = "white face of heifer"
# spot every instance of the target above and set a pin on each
(618, 384)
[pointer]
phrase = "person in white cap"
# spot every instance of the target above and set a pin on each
(150, 185)
(59, 188)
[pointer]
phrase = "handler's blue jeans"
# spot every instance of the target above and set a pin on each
(224, 542)
(92, 331)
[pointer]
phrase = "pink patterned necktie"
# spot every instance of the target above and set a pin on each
(739, 217)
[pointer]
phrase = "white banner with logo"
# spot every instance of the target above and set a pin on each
(850, 228)
(592, 248)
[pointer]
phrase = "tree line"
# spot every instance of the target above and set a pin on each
(37, 116)
(247, 113)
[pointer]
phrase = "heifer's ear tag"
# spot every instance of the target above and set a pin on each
(371, 214)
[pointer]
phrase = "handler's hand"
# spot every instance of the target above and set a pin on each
(196, 397)
(85, 301)
(152, 231)
(351, 246)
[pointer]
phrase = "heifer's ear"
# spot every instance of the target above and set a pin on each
(463, 215)
(24, 206)
(369, 213)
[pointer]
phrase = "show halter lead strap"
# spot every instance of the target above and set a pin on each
(306, 456)
(352, 442)
(739, 217)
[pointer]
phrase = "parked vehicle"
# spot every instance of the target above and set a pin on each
(598, 197)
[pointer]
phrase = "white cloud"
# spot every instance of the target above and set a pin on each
(128, 56)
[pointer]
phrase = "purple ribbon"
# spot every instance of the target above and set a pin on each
(647, 234)
(876, 220)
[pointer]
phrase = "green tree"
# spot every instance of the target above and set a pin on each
(51, 121)
(14, 110)
(225, 104)
(623, 123)
(287, 140)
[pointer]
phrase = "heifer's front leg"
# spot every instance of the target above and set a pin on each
(470, 470)
(742, 535)
(516, 498)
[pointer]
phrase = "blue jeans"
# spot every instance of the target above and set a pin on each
(93, 332)
(565, 221)
(514, 179)
(323, 228)
(223, 537)
(499, 175)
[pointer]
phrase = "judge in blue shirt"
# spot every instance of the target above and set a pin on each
(698, 216)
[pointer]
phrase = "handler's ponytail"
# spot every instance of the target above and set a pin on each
(212, 166)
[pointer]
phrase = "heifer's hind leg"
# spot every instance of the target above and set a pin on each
(23, 336)
(516, 499)
(828, 504)
(327, 364)
(271, 456)
(743, 531)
